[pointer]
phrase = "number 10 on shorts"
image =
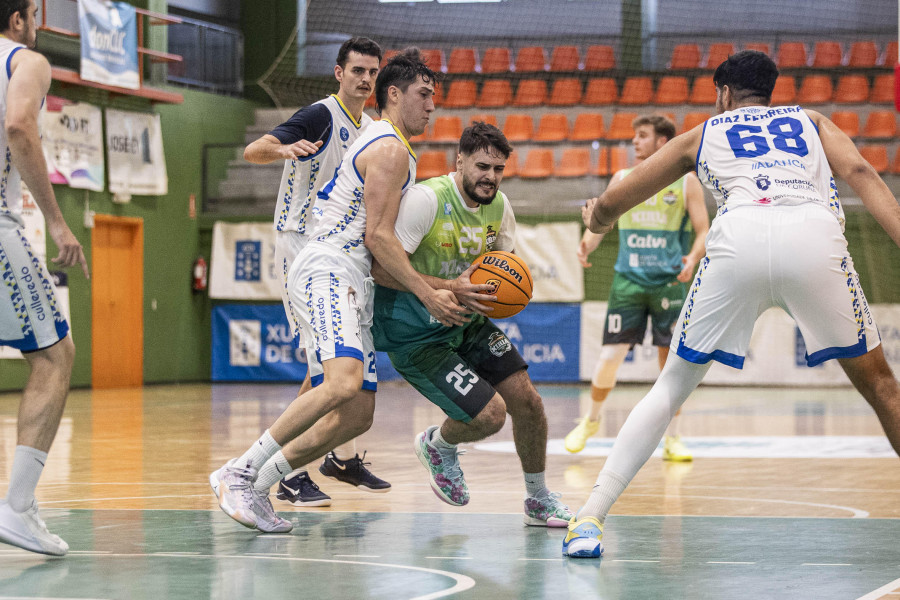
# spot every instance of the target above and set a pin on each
(462, 379)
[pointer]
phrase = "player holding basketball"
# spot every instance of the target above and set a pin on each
(330, 289)
(471, 371)
(312, 143)
(777, 240)
(652, 269)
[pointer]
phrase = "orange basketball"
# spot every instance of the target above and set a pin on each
(511, 281)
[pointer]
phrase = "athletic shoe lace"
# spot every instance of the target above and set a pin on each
(450, 458)
(37, 518)
(264, 506)
(240, 479)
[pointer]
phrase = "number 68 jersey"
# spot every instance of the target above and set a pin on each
(766, 156)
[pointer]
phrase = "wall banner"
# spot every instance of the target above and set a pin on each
(548, 337)
(72, 138)
(549, 251)
(109, 43)
(243, 262)
(137, 164)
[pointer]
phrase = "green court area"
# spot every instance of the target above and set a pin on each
(153, 554)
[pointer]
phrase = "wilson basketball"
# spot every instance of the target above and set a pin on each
(511, 281)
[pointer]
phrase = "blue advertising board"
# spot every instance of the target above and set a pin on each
(548, 336)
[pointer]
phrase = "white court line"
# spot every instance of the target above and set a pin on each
(826, 565)
(356, 556)
(174, 553)
(267, 554)
(44, 598)
(857, 513)
(544, 559)
(885, 589)
(634, 560)
(450, 557)
(90, 552)
(728, 562)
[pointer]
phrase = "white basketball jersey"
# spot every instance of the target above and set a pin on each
(302, 178)
(342, 225)
(760, 155)
(10, 181)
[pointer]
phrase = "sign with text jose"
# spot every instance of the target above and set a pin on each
(548, 336)
(109, 43)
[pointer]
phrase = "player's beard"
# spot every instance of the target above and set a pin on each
(471, 189)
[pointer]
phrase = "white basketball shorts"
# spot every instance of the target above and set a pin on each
(794, 257)
(30, 318)
(334, 300)
(288, 245)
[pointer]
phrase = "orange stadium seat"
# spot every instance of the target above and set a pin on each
(847, 121)
(565, 92)
(564, 58)
(636, 90)
(618, 158)
(895, 167)
(434, 58)
(862, 54)
(827, 55)
(553, 127)
(759, 47)
(512, 165)
(587, 127)
(432, 164)
(791, 54)
(852, 89)
(489, 118)
(599, 58)
(447, 129)
(882, 89)
(438, 97)
(703, 92)
(538, 164)
(692, 119)
(531, 59)
(600, 91)
(518, 127)
(672, 89)
(718, 53)
(495, 93)
(877, 156)
(575, 162)
(685, 56)
(388, 55)
(462, 60)
(785, 91)
(461, 94)
(495, 60)
(620, 128)
(531, 92)
(881, 124)
(815, 89)
(890, 54)
(602, 163)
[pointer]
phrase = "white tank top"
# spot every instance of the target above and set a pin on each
(302, 178)
(766, 156)
(10, 181)
(341, 228)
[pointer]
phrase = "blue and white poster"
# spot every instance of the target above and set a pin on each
(548, 336)
(109, 43)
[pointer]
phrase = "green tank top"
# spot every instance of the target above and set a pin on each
(457, 237)
(653, 237)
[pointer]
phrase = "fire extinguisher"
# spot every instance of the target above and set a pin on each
(199, 275)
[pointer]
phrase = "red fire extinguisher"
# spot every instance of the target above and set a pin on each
(199, 275)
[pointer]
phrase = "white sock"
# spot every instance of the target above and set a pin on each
(262, 450)
(535, 484)
(641, 433)
(439, 442)
(345, 451)
(274, 469)
(28, 464)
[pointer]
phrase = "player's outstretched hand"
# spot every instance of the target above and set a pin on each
(587, 213)
(70, 251)
(582, 254)
(443, 306)
(470, 295)
(299, 149)
(687, 272)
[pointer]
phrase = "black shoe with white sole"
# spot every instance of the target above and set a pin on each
(354, 472)
(300, 490)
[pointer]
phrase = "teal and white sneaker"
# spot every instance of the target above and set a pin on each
(447, 480)
(584, 539)
(546, 510)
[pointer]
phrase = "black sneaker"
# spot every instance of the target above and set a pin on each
(300, 490)
(354, 472)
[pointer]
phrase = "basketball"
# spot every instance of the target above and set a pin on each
(511, 281)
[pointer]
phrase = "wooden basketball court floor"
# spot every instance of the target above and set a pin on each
(793, 493)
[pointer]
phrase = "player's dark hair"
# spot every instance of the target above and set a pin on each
(749, 74)
(362, 45)
(662, 125)
(10, 7)
(483, 136)
(402, 70)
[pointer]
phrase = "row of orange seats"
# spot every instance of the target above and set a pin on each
(640, 90)
(554, 127)
(825, 54)
(576, 162)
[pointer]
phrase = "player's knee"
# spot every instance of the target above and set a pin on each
(492, 417)
(57, 360)
(343, 389)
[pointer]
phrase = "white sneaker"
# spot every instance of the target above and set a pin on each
(27, 530)
(267, 520)
(233, 486)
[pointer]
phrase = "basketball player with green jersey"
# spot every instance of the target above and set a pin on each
(652, 270)
(471, 371)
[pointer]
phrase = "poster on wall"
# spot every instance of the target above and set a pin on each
(549, 251)
(243, 262)
(72, 138)
(109, 43)
(137, 165)
(548, 338)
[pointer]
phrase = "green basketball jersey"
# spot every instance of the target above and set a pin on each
(457, 237)
(653, 237)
